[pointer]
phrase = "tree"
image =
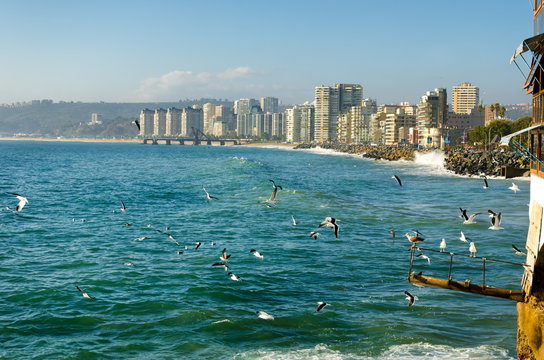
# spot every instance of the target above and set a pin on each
(478, 134)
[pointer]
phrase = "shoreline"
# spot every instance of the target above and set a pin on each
(13, 138)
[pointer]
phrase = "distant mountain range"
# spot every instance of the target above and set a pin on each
(71, 119)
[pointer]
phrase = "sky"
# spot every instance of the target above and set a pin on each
(162, 51)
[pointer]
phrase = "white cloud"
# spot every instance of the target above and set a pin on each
(186, 84)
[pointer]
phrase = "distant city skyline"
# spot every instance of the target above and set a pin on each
(167, 50)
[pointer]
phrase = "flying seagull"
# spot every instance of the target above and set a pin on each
(210, 197)
(85, 295)
(321, 305)
(414, 238)
(411, 298)
(169, 236)
(123, 207)
(265, 316)
(272, 198)
(22, 201)
(472, 249)
(467, 219)
(491, 213)
(423, 256)
(443, 245)
(397, 178)
(197, 245)
(314, 234)
(234, 277)
(463, 238)
(486, 185)
(295, 223)
(221, 264)
(256, 253)
(518, 251)
(137, 124)
(331, 222)
(224, 257)
(496, 222)
(514, 188)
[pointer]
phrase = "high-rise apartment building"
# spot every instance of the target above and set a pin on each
(191, 121)
(330, 102)
(432, 111)
(159, 122)
(269, 104)
(208, 113)
(146, 122)
(299, 123)
(173, 122)
(465, 98)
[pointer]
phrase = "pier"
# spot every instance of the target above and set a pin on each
(190, 141)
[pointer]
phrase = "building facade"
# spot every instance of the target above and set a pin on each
(465, 98)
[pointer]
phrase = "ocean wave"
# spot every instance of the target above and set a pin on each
(418, 351)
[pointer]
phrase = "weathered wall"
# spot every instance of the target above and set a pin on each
(530, 329)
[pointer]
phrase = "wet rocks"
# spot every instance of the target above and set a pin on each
(462, 162)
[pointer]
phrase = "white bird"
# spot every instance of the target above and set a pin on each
(265, 316)
(295, 223)
(197, 245)
(331, 222)
(256, 253)
(321, 305)
(518, 251)
(22, 201)
(496, 222)
(411, 298)
(397, 178)
(472, 249)
(169, 236)
(140, 238)
(234, 277)
(486, 185)
(491, 213)
(423, 256)
(128, 264)
(85, 295)
(224, 257)
(443, 245)
(123, 207)
(463, 238)
(467, 219)
(514, 188)
(210, 197)
(314, 234)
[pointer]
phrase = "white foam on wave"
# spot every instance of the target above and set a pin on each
(418, 351)
(435, 158)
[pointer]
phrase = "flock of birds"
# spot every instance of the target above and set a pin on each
(416, 237)
(329, 222)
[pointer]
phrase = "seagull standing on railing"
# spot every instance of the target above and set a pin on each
(443, 245)
(472, 249)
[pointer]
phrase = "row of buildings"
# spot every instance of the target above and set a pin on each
(338, 113)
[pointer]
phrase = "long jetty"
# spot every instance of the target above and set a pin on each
(192, 141)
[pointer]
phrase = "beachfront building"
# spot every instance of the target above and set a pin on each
(432, 113)
(466, 121)
(173, 122)
(299, 122)
(208, 117)
(465, 98)
(159, 122)
(397, 125)
(330, 102)
(146, 122)
(278, 125)
(191, 121)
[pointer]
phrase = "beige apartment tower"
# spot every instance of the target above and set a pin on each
(465, 98)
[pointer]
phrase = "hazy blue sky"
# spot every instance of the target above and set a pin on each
(169, 50)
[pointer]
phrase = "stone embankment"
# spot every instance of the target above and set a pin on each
(463, 162)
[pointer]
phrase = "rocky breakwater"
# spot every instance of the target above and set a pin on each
(371, 152)
(477, 162)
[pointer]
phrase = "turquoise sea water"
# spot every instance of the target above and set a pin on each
(177, 306)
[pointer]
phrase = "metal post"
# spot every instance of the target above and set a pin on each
(451, 262)
(483, 285)
(411, 260)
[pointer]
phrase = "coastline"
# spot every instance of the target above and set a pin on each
(13, 138)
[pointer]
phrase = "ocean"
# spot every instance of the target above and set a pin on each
(171, 303)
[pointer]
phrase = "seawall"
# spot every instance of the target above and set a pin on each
(462, 162)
